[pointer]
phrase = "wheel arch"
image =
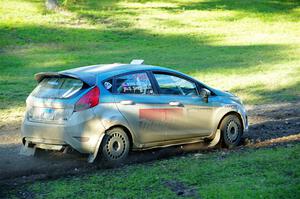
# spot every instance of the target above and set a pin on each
(126, 130)
(95, 154)
(232, 113)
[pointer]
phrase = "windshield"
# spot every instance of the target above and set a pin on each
(57, 87)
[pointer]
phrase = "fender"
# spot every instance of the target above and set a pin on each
(107, 123)
(110, 117)
(224, 110)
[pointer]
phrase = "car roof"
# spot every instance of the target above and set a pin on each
(106, 70)
(88, 74)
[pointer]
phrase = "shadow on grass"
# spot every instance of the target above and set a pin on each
(115, 14)
(39, 48)
(254, 6)
(265, 95)
(265, 6)
(266, 9)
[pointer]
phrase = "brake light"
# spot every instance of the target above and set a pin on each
(89, 100)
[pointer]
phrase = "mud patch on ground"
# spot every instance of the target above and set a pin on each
(273, 121)
(181, 189)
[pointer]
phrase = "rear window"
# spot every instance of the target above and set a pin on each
(57, 88)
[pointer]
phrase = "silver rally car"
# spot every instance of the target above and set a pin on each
(108, 110)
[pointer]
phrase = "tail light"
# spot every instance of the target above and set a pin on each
(89, 100)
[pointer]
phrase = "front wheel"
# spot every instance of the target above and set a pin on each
(115, 147)
(231, 131)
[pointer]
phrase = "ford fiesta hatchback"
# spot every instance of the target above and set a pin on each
(110, 109)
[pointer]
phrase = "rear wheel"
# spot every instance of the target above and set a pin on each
(115, 147)
(231, 131)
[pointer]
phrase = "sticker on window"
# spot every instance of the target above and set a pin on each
(107, 85)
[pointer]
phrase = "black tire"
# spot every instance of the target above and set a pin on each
(114, 147)
(231, 131)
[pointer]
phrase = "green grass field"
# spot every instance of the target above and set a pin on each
(248, 47)
(263, 173)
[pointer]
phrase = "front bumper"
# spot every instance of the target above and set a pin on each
(82, 132)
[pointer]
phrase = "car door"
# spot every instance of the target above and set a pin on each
(137, 101)
(193, 116)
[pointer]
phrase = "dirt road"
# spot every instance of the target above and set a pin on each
(269, 124)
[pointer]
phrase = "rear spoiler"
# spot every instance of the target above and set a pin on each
(88, 79)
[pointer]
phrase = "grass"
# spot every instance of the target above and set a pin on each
(262, 173)
(248, 47)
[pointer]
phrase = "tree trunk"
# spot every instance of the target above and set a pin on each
(51, 4)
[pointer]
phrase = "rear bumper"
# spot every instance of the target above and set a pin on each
(82, 132)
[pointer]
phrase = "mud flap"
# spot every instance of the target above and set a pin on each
(93, 156)
(26, 150)
(216, 139)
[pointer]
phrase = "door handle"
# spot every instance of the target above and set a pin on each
(127, 102)
(175, 104)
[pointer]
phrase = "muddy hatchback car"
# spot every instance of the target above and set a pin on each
(108, 110)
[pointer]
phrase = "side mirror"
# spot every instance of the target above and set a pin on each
(205, 93)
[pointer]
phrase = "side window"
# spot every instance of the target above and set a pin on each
(137, 83)
(108, 85)
(172, 85)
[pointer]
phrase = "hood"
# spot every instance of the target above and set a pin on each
(228, 95)
(223, 93)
